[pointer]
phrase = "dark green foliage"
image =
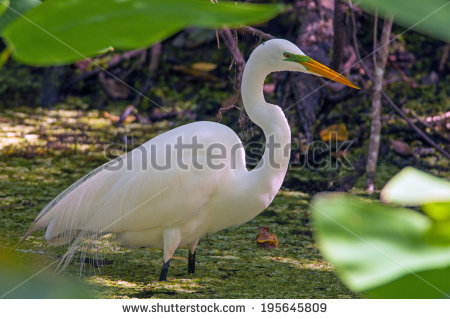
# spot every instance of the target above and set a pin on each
(19, 85)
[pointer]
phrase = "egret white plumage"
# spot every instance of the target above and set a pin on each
(166, 196)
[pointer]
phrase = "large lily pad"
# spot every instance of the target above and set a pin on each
(59, 32)
(11, 10)
(412, 187)
(379, 249)
(429, 17)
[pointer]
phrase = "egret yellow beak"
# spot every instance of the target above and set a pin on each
(318, 68)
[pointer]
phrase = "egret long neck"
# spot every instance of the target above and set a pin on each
(267, 177)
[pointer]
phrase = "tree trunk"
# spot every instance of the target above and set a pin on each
(315, 39)
(339, 34)
(52, 83)
(374, 143)
(155, 56)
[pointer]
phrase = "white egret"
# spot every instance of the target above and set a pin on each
(187, 182)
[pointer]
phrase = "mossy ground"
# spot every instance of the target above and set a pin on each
(44, 151)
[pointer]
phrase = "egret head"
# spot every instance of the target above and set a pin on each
(282, 55)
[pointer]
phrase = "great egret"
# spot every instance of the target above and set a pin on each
(187, 182)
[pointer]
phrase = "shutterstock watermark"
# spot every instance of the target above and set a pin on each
(190, 153)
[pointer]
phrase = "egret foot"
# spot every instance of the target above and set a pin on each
(164, 271)
(191, 262)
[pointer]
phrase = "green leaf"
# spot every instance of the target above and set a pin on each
(429, 17)
(437, 211)
(60, 32)
(23, 276)
(439, 233)
(379, 249)
(412, 187)
(4, 4)
(425, 284)
(13, 10)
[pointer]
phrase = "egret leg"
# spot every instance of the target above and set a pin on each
(172, 238)
(164, 271)
(191, 263)
(191, 258)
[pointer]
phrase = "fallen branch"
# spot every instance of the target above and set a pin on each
(115, 60)
(131, 110)
(128, 111)
(388, 99)
(440, 120)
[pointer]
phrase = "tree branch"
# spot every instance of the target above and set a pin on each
(256, 32)
(231, 43)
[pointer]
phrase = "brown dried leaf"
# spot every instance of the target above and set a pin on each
(204, 66)
(195, 73)
(334, 132)
(265, 239)
(401, 147)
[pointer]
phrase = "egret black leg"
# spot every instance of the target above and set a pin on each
(191, 262)
(164, 270)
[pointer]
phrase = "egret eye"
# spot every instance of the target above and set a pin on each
(286, 55)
